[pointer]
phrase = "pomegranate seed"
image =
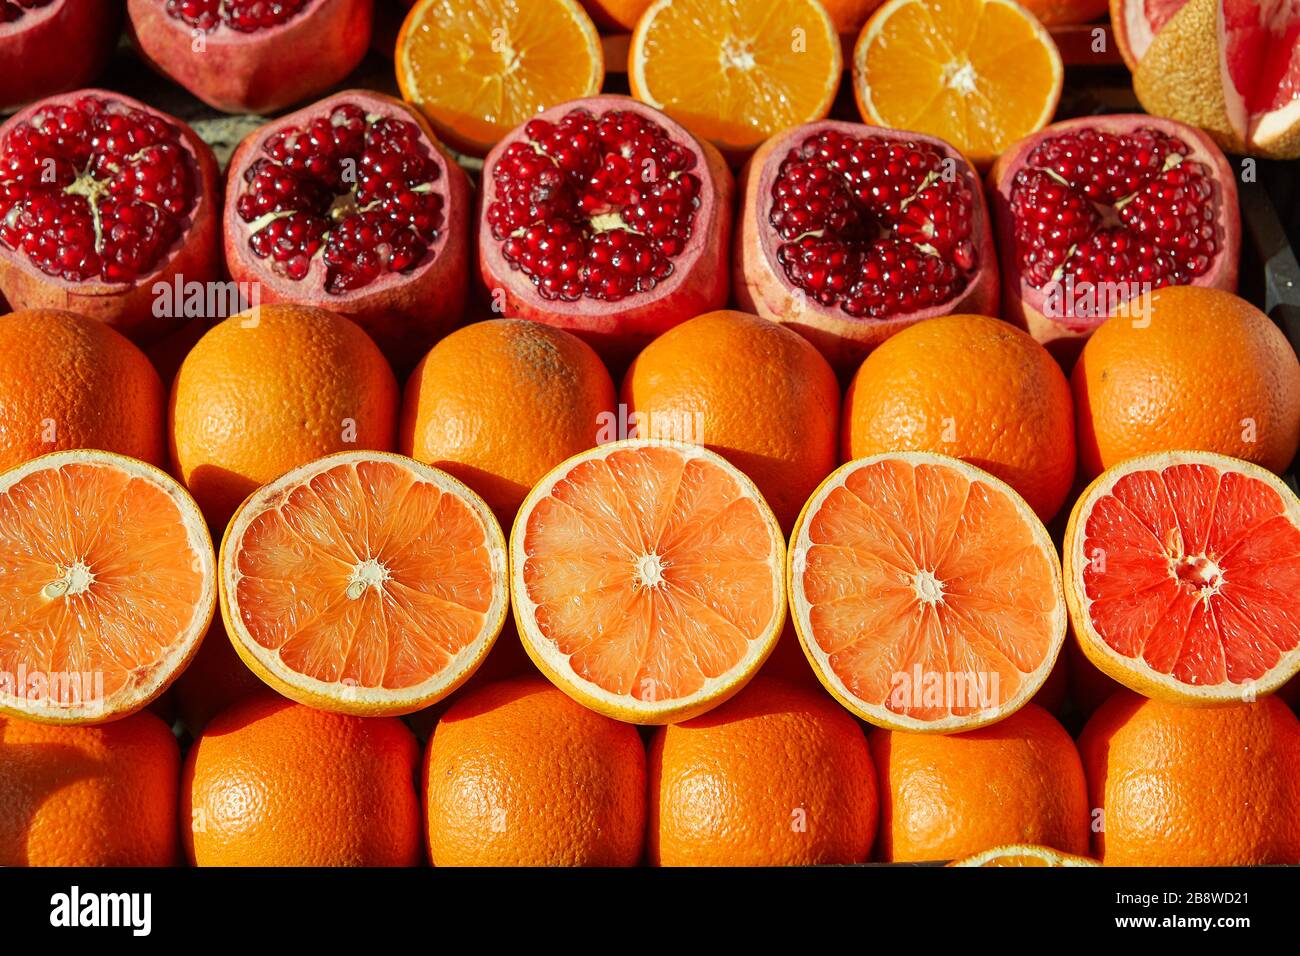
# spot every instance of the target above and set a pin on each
(353, 189)
(873, 226)
(245, 16)
(1117, 208)
(595, 206)
(94, 189)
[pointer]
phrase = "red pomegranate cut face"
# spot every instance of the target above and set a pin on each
(100, 197)
(246, 16)
(1095, 211)
(351, 205)
(849, 233)
(606, 218)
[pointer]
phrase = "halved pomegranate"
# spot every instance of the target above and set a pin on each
(101, 199)
(850, 233)
(51, 46)
(604, 217)
(352, 205)
(1231, 67)
(252, 56)
(1094, 211)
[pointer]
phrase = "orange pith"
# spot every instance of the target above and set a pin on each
(925, 593)
(364, 583)
(108, 585)
(1024, 855)
(478, 68)
(646, 579)
(735, 73)
(980, 74)
(1181, 571)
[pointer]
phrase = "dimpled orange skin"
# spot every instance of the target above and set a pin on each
(101, 795)
(214, 680)
(79, 382)
(1189, 369)
(518, 774)
(500, 403)
(756, 393)
(1194, 786)
(975, 388)
(780, 775)
(274, 783)
(946, 797)
(254, 399)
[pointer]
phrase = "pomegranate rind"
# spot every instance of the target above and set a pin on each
(800, 606)
(555, 665)
(150, 684)
(1009, 854)
(701, 279)
(761, 285)
(1136, 674)
(56, 48)
(126, 306)
(1022, 303)
(335, 696)
(260, 72)
(404, 312)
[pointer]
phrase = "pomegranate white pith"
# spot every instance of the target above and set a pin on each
(1094, 211)
(605, 218)
(251, 56)
(351, 205)
(850, 233)
(132, 202)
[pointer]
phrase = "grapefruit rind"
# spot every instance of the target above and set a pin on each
(800, 607)
(335, 696)
(1007, 855)
(1136, 674)
(150, 685)
(555, 665)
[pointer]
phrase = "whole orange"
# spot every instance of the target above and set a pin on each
(975, 388)
(274, 783)
(1194, 786)
(778, 775)
(73, 382)
(1063, 12)
(1187, 368)
(616, 15)
(946, 797)
(751, 390)
(271, 389)
(500, 403)
(518, 774)
(214, 680)
(849, 16)
(101, 795)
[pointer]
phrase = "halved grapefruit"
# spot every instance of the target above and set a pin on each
(646, 579)
(925, 592)
(107, 585)
(364, 583)
(1024, 854)
(1181, 573)
(1135, 24)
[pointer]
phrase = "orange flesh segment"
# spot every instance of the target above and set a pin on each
(974, 73)
(921, 565)
(481, 67)
(1200, 572)
(733, 73)
(365, 574)
(651, 571)
(120, 546)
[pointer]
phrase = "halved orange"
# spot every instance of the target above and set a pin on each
(735, 73)
(107, 585)
(646, 579)
(925, 592)
(980, 74)
(1182, 571)
(1024, 854)
(478, 68)
(364, 583)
